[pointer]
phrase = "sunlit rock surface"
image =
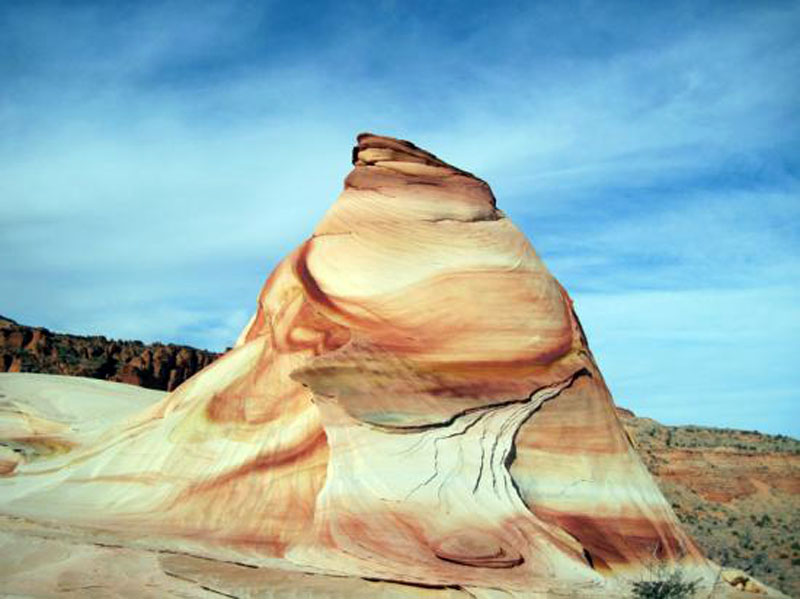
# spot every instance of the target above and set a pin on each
(414, 400)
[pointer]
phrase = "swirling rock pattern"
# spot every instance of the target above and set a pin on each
(413, 400)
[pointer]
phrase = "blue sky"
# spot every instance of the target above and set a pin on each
(158, 159)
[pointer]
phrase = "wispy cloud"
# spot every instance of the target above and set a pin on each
(157, 159)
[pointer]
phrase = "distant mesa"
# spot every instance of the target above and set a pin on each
(413, 400)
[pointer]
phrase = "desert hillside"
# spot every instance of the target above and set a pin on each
(155, 366)
(736, 492)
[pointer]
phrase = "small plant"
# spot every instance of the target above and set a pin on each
(663, 584)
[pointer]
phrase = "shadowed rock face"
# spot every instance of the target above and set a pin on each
(414, 399)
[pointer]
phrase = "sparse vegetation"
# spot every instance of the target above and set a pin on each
(663, 583)
(736, 493)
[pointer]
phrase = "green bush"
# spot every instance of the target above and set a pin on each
(663, 585)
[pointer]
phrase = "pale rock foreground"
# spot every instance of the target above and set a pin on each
(414, 400)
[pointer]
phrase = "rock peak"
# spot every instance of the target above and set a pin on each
(372, 150)
(393, 179)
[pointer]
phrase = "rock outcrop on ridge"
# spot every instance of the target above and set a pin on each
(155, 366)
(413, 400)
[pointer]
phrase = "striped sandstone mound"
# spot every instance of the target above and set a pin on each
(413, 400)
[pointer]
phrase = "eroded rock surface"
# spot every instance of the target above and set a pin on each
(414, 400)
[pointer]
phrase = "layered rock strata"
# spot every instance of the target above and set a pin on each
(414, 400)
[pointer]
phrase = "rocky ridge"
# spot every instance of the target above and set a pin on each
(154, 366)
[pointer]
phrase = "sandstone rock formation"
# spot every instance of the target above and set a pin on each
(155, 366)
(414, 400)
